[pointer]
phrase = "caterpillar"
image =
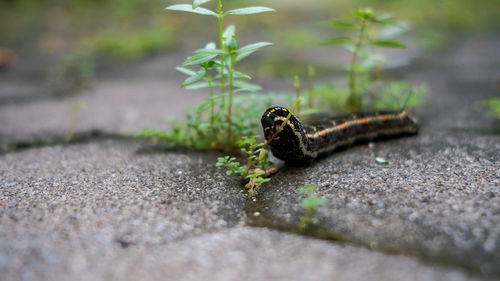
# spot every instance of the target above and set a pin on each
(299, 144)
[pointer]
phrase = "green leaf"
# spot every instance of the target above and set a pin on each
(216, 97)
(247, 50)
(308, 188)
(197, 3)
(231, 47)
(313, 202)
(246, 86)
(210, 64)
(186, 71)
(388, 32)
(249, 11)
(338, 40)
(210, 51)
(195, 78)
(381, 160)
(385, 21)
(220, 161)
(198, 86)
(199, 58)
(388, 44)
(189, 8)
(339, 23)
(210, 45)
(237, 74)
(228, 34)
(314, 221)
(493, 105)
(364, 14)
(203, 107)
(253, 47)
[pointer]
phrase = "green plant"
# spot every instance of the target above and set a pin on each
(364, 70)
(310, 204)
(198, 132)
(396, 94)
(75, 109)
(222, 60)
(255, 170)
(493, 105)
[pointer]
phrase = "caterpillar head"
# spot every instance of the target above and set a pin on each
(289, 144)
(271, 120)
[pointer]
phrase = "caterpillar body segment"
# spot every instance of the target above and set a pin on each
(299, 143)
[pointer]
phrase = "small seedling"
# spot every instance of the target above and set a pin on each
(75, 112)
(255, 170)
(493, 105)
(364, 70)
(310, 204)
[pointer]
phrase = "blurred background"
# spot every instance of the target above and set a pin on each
(58, 47)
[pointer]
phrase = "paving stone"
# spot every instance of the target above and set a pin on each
(104, 195)
(240, 253)
(114, 107)
(437, 199)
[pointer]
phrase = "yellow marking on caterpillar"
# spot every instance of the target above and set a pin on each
(384, 117)
(362, 120)
(340, 127)
(322, 132)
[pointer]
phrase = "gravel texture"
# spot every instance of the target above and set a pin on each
(92, 198)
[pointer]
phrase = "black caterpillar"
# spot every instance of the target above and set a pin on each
(299, 144)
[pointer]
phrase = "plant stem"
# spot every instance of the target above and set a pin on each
(212, 102)
(250, 161)
(304, 221)
(310, 73)
(353, 101)
(251, 192)
(220, 17)
(230, 104)
(296, 84)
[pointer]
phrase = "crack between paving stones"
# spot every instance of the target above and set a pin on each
(77, 138)
(264, 219)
